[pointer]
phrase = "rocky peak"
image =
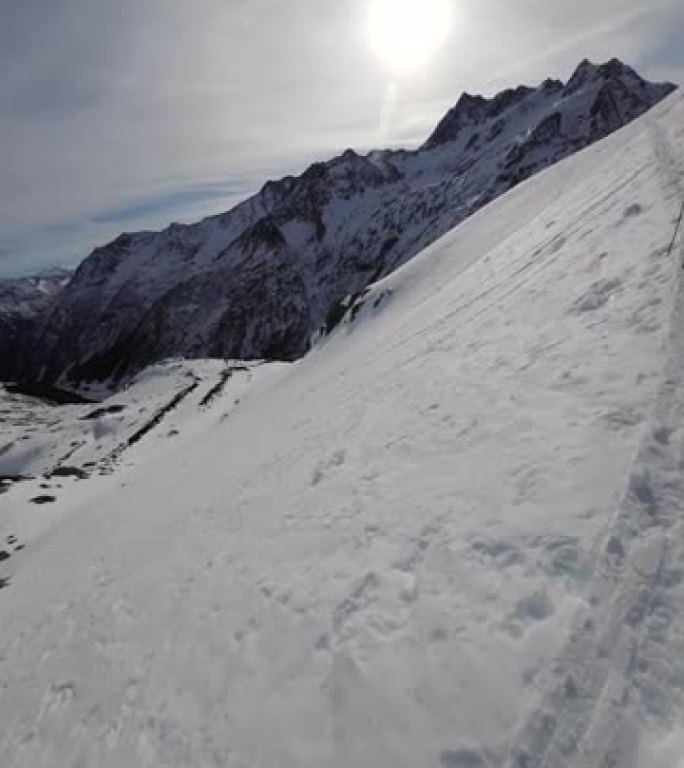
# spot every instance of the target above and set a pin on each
(551, 86)
(587, 72)
(506, 99)
(344, 175)
(584, 72)
(469, 110)
(615, 69)
(593, 78)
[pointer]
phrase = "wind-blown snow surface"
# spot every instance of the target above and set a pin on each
(451, 536)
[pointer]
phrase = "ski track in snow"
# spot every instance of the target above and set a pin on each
(621, 664)
(451, 536)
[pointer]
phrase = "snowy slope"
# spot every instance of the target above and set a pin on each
(45, 450)
(258, 281)
(450, 536)
(41, 439)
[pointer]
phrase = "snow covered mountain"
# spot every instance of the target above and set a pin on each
(24, 302)
(262, 279)
(451, 536)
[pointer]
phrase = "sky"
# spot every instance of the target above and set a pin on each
(131, 114)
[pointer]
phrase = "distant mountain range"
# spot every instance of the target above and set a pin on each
(24, 302)
(262, 279)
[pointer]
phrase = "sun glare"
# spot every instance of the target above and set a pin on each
(405, 34)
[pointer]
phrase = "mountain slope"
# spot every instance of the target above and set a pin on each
(450, 536)
(23, 303)
(260, 280)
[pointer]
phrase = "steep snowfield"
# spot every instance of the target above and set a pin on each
(450, 536)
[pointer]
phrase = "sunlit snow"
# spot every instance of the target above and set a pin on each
(450, 536)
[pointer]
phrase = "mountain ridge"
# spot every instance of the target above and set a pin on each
(260, 280)
(23, 301)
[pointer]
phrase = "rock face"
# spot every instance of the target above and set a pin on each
(260, 280)
(24, 302)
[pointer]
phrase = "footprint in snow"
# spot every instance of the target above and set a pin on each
(529, 610)
(663, 435)
(502, 553)
(631, 211)
(534, 607)
(598, 295)
(336, 460)
(59, 695)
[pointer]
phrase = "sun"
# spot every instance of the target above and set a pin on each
(405, 34)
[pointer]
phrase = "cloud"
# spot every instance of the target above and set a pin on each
(67, 243)
(126, 113)
(169, 202)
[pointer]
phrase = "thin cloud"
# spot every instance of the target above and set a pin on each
(173, 201)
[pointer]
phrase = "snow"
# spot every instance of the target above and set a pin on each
(450, 536)
(45, 448)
